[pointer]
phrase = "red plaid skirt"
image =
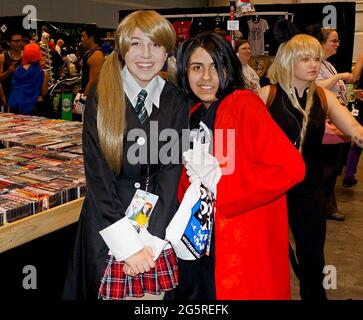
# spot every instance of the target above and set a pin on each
(116, 285)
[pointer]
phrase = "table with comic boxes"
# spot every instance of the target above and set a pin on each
(42, 181)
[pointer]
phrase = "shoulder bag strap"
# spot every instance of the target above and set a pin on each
(271, 95)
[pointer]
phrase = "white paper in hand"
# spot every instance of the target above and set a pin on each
(177, 225)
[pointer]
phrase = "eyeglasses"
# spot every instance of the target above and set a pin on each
(335, 41)
(17, 41)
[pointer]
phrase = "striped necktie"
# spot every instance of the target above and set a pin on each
(140, 106)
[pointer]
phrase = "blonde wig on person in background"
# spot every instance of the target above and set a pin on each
(282, 71)
(111, 112)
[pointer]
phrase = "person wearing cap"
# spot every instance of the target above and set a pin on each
(29, 83)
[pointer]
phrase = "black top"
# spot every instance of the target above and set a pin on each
(108, 196)
(6, 83)
(306, 194)
(57, 63)
(197, 278)
(85, 67)
(207, 115)
(290, 121)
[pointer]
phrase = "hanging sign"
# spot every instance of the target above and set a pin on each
(233, 25)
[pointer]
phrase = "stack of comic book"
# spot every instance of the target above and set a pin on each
(41, 168)
(38, 132)
(39, 181)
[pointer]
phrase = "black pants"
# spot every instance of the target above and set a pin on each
(309, 230)
(196, 278)
(334, 158)
(196, 281)
(330, 178)
(308, 225)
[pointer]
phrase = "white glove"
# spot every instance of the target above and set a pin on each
(200, 164)
(79, 103)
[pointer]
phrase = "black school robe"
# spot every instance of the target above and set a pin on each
(108, 196)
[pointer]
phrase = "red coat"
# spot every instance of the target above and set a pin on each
(251, 225)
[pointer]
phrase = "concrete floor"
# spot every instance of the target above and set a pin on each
(344, 244)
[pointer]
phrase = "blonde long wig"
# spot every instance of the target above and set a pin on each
(282, 72)
(111, 114)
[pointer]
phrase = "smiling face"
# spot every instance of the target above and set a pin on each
(16, 43)
(330, 46)
(203, 76)
(144, 58)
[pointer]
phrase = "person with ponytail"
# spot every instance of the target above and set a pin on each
(125, 118)
(300, 107)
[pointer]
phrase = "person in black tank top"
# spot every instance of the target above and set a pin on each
(92, 60)
(86, 68)
(9, 61)
(299, 107)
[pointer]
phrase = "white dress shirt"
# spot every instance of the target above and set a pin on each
(153, 89)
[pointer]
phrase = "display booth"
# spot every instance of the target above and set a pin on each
(63, 85)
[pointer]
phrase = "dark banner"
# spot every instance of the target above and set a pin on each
(304, 15)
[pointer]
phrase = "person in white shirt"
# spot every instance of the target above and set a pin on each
(252, 80)
(59, 45)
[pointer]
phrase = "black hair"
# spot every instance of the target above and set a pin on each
(228, 66)
(315, 31)
(240, 42)
(92, 31)
(12, 33)
(284, 30)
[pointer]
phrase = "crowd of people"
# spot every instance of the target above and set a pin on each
(258, 153)
(58, 61)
